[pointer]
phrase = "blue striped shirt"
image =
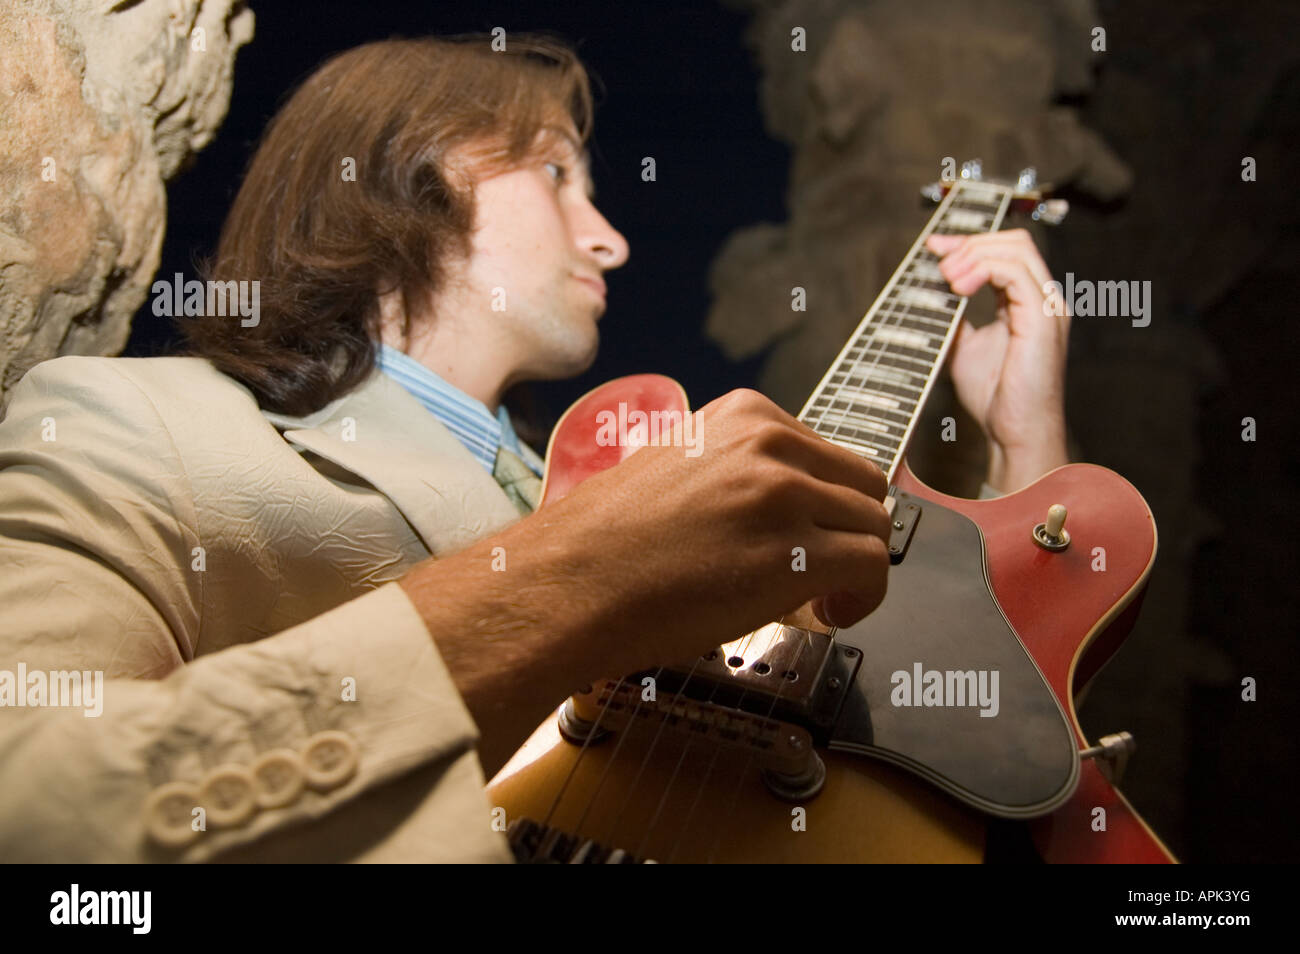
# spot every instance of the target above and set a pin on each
(467, 418)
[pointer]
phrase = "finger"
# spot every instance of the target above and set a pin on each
(835, 507)
(942, 244)
(1015, 244)
(858, 576)
(854, 562)
(1012, 278)
(833, 464)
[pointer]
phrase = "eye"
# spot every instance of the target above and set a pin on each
(562, 173)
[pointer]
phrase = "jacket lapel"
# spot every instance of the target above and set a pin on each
(381, 433)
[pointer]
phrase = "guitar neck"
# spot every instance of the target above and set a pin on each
(871, 398)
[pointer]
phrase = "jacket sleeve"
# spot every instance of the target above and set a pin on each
(342, 738)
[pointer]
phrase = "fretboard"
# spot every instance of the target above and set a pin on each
(871, 398)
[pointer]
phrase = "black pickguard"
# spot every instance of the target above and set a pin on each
(940, 612)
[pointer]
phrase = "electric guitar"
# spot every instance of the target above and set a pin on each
(895, 739)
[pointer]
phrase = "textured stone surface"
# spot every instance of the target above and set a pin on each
(885, 91)
(100, 103)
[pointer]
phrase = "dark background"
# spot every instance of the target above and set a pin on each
(1213, 775)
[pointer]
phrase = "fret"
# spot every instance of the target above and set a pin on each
(924, 323)
(858, 434)
(963, 204)
(979, 191)
(880, 453)
(879, 421)
(868, 400)
(927, 271)
(894, 377)
(967, 219)
(884, 415)
(864, 436)
(906, 338)
(897, 351)
(857, 376)
(921, 322)
(850, 419)
(924, 298)
(874, 398)
(908, 280)
(896, 355)
(860, 450)
(861, 358)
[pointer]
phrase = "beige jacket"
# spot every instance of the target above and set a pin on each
(231, 574)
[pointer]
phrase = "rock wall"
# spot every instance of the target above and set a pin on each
(100, 103)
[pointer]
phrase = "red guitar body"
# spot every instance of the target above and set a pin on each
(1070, 609)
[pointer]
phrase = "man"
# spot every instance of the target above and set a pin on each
(321, 621)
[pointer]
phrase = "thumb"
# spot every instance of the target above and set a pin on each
(841, 610)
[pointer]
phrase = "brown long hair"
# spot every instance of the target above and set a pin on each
(323, 247)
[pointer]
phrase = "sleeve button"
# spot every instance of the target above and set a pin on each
(168, 814)
(278, 777)
(329, 759)
(228, 795)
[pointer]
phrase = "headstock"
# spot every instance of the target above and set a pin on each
(1027, 196)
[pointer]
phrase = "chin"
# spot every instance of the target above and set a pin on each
(567, 362)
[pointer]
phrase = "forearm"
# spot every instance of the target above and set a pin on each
(513, 627)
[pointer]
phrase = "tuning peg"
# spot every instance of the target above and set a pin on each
(933, 192)
(1027, 181)
(972, 169)
(1051, 212)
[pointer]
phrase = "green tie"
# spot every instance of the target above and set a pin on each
(522, 486)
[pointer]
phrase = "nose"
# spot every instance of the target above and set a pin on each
(601, 242)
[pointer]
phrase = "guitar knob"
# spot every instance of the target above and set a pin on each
(1051, 212)
(1051, 534)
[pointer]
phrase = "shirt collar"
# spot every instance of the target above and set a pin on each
(468, 418)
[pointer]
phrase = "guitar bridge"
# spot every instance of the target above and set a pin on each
(790, 765)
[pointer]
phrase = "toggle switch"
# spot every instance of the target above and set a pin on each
(1052, 534)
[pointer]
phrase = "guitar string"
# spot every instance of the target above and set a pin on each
(717, 750)
(897, 317)
(654, 742)
(645, 760)
(613, 756)
(609, 763)
(909, 280)
(749, 759)
(743, 649)
(935, 223)
(592, 734)
(889, 309)
(559, 795)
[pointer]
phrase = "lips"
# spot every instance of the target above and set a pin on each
(596, 283)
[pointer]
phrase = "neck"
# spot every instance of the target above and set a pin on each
(473, 367)
(871, 398)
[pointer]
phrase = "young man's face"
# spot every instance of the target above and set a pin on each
(539, 249)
